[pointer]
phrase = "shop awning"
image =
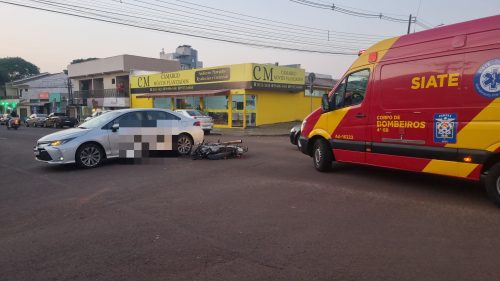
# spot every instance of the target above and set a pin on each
(33, 103)
(185, 94)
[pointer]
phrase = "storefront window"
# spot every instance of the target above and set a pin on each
(251, 119)
(163, 103)
(216, 102)
(237, 105)
(237, 102)
(220, 118)
(216, 107)
(251, 114)
(251, 101)
(187, 103)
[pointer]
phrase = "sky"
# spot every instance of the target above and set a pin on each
(51, 41)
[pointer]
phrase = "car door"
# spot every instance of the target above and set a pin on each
(349, 119)
(168, 128)
(121, 141)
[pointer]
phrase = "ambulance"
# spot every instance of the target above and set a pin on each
(425, 102)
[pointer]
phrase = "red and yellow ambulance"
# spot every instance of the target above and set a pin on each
(426, 102)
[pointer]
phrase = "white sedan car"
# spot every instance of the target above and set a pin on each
(127, 133)
(95, 114)
(207, 123)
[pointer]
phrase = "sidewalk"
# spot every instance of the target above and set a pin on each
(279, 129)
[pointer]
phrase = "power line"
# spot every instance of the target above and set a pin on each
(353, 8)
(352, 12)
(286, 25)
(142, 25)
(255, 28)
(98, 12)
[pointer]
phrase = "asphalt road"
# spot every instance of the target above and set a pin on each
(268, 216)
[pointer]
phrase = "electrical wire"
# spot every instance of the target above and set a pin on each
(363, 14)
(167, 29)
(286, 25)
(98, 12)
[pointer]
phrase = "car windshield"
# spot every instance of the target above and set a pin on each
(41, 115)
(194, 113)
(100, 120)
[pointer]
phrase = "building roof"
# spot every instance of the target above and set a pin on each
(44, 80)
(27, 79)
(121, 63)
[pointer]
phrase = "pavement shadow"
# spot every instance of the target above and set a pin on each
(416, 182)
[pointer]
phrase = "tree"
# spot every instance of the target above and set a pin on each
(16, 68)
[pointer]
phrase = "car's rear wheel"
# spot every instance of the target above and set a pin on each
(89, 155)
(493, 184)
(184, 144)
(322, 155)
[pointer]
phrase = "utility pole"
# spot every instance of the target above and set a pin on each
(311, 79)
(70, 92)
(409, 24)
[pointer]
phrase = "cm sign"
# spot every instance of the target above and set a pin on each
(262, 73)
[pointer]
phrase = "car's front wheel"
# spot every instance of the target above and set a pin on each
(184, 144)
(322, 155)
(89, 155)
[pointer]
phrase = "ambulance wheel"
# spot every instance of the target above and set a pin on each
(322, 155)
(493, 184)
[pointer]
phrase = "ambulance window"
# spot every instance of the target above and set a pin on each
(339, 95)
(356, 87)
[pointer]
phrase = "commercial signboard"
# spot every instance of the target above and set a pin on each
(43, 95)
(239, 76)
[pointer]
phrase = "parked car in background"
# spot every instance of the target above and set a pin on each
(121, 133)
(36, 120)
(4, 118)
(95, 114)
(294, 135)
(59, 120)
(207, 123)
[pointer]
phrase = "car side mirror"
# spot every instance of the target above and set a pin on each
(115, 127)
(325, 104)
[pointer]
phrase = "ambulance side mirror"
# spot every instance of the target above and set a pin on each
(325, 104)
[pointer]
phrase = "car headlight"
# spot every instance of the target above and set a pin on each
(60, 142)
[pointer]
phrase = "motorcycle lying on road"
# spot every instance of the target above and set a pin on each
(219, 150)
(13, 123)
